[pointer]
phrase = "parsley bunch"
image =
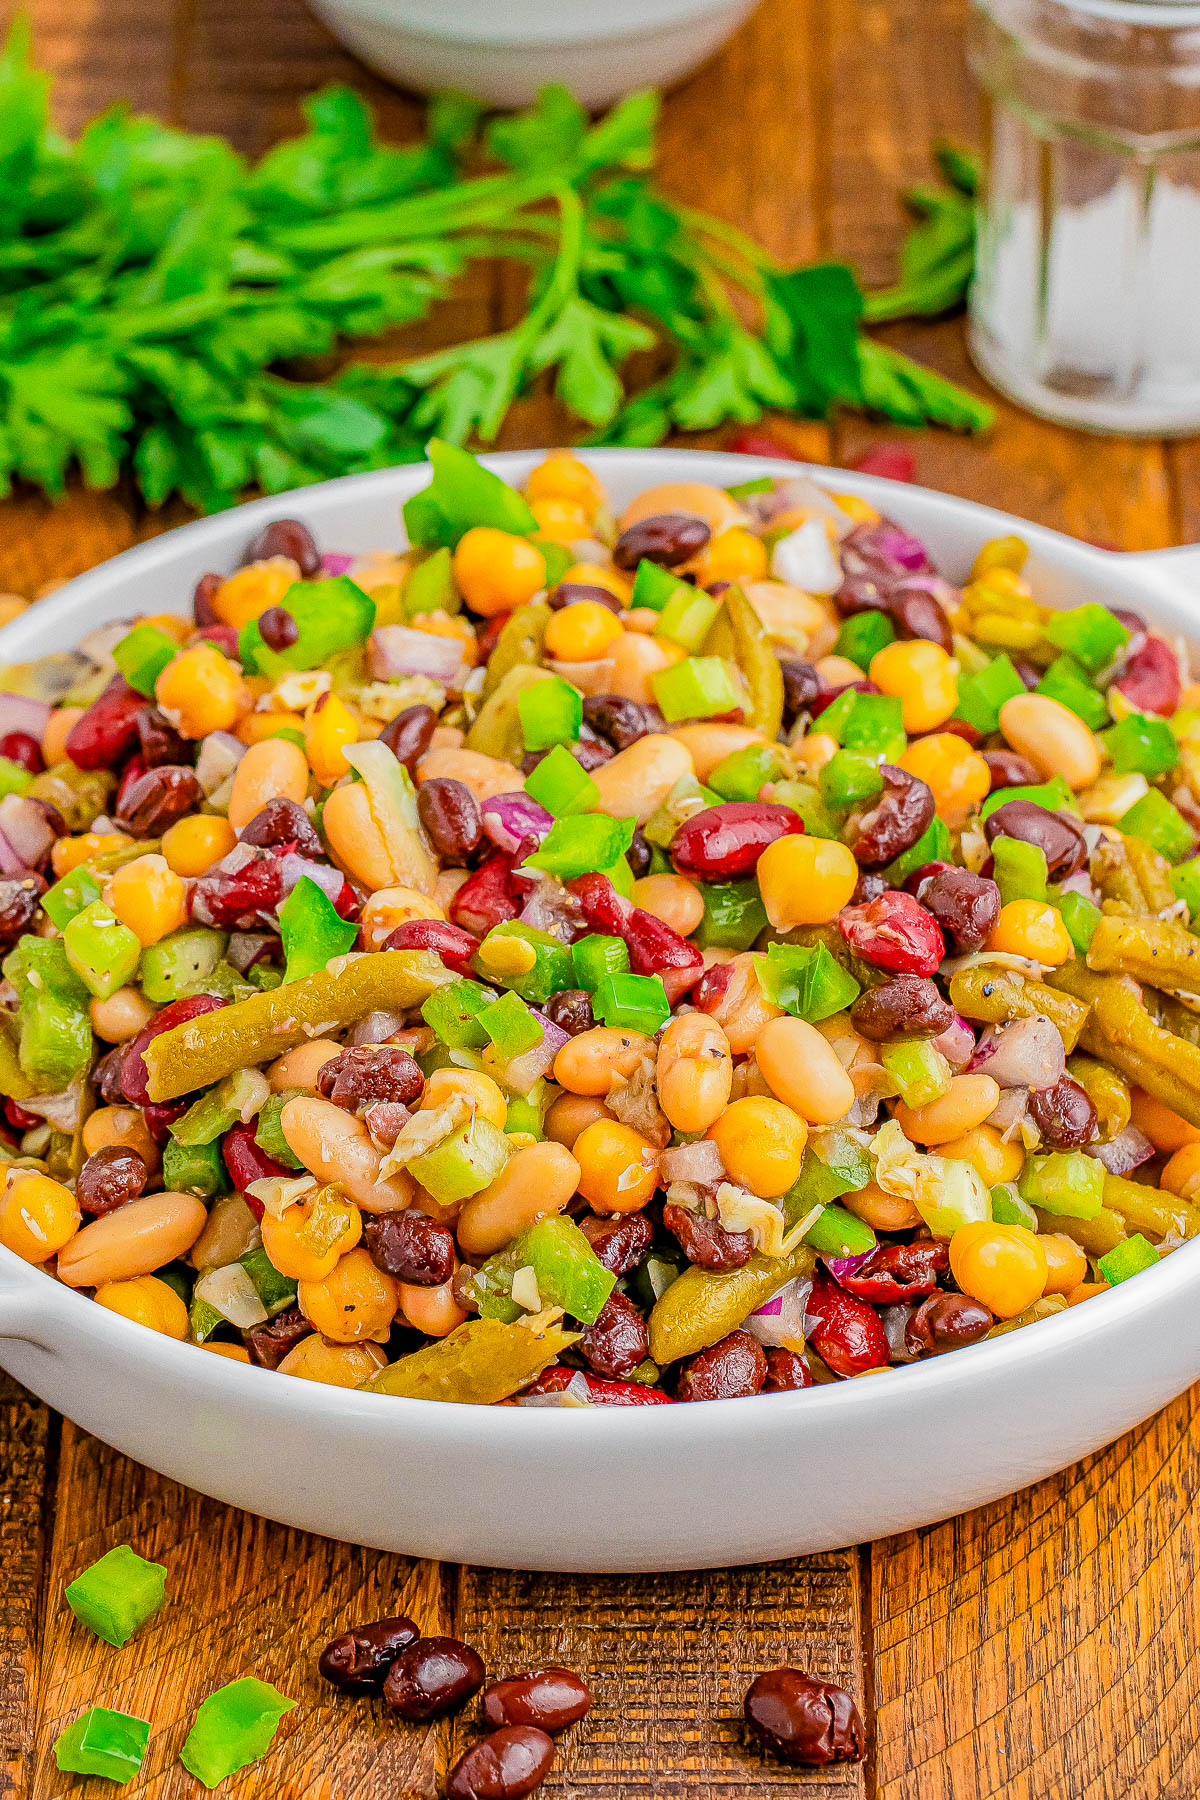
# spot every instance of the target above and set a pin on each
(160, 299)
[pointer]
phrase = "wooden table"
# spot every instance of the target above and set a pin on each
(1045, 1648)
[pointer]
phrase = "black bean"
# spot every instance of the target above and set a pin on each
(947, 1322)
(618, 1340)
(278, 628)
(705, 1242)
(506, 1765)
(1056, 834)
(801, 685)
(666, 538)
(110, 1176)
(731, 1369)
(453, 822)
(282, 821)
(1010, 769)
(19, 897)
(435, 1675)
(571, 1010)
(203, 610)
(787, 1371)
(639, 855)
(152, 803)
(285, 537)
(916, 614)
(410, 1247)
(268, 1344)
(107, 1076)
(408, 735)
(805, 1720)
(1064, 1114)
(360, 1658)
(567, 593)
(892, 821)
(622, 722)
(620, 1243)
(965, 905)
(368, 1072)
(904, 1006)
(549, 1698)
(158, 740)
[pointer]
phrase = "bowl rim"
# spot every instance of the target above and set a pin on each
(1069, 1330)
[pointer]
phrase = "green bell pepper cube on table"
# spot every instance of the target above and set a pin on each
(1139, 744)
(142, 655)
(462, 494)
(595, 956)
(741, 774)
(179, 965)
(331, 616)
(582, 845)
(849, 778)
(102, 1742)
(1163, 826)
(1065, 1182)
(103, 952)
(559, 783)
(700, 687)
(233, 1727)
(632, 1003)
(1090, 634)
(14, 779)
(688, 616)
(509, 944)
(551, 712)
(654, 587)
(862, 636)
(806, 980)
(68, 897)
(981, 696)
(1127, 1258)
(312, 930)
(734, 915)
(117, 1594)
(1072, 687)
(1019, 870)
(453, 1013)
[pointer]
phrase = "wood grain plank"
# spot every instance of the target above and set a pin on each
(28, 1438)
(245, 1597)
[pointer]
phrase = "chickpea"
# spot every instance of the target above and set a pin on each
(761, 1144)
(484, 1094)
(695, 1071)
(572, 1113)
(355, 1301)
(635, 782)
(1056, 740)
(486, 776)
(634, 658)
(618, 1168)
(121, 1016)
(1004, 1266)
(433, 1310)
(268, 770)
(143, 1235)
(38, 1216)
(337, 1147)
(302, 1254)
(587, 1064)
(147, 1301)
(1066, 1264)
(337, 1365)
(802, 1069)
(671, 898)
(123, 1125)
(535, 1182)
(992, 1159)
(300, 1067)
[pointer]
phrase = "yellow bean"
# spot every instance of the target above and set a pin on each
(695, 1071)
(274, 769)
(967, 1102)
(587, 1064)
(534, 1182)
(635, 782)
(1056, 740)
(882, 1212)
(139, 1237)
(802, 1068)
(707, 745)
(336, 1147)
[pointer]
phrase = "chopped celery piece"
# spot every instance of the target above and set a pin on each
(1140, 745)
(461, 494)
(1090, 633)
(1161, 824)
(330, 615)
(68, 897)
(1008, 1208)
(568, 1271)
(1065, 1182)
(102, 1742)
(1186, 882)
(178, 966)
(216, 1112)
(429, 586)
(734, 915)
(559, 783)
(933, 845)
(632, 1003)
(203, 1320)
(688, 616)
(1127, 1258)
(37, 964)
(142, 655)
(551, 712)
(1070, 685)
(839, 1233)
(741, 774)
(581, 845)
(981, 696)
(56, 1041)
(700, 687)
(806, 980)
(595, 956)
(453, 1013)
(103, 952)
(1054, 795)
(14, 779)
(277, 1292)
(117, 1594)
(268, 1133)
(862, 636)
(233, 1727)
(847, 778)
(654, 586)
(526, 1112)
(547, 961)
(312, 930)
(194, 1169)
(962, 1199)
(510, 1026)
(1019, 870)
(464, 1163)
(1081, 917)
(920, 1072)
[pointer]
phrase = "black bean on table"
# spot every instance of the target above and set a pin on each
(618, 1340)
(505, 1765)
(804, 1719)
(904, 1006)
(409, 734)
(452, 819)
(550, 1698)
(360, 1658)
(666, 538)
(435, 1675)
(731, 1369)
(285, 537)
(110, 1176)
(410, 1247)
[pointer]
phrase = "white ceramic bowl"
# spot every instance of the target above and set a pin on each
(610, 1489)
(504, 53)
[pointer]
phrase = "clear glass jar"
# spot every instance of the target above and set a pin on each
(1086, 301)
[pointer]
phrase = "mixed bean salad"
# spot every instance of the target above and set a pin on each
(583, 959)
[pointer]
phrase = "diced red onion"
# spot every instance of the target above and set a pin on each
(337, 563)
(236, 860)
(23, 824)
(1028, 1053)
(900, 546)
(1005, 1117)
(780, 1319)
(894, 1320)
(1080, 883)
(245, 948)
(551, 907)
(846, 1265)
(699, 1162)
(521, 1073)
(377, 1028)
(10, 862)
(575, 1393)
(956, 1043)
(397, 650)
(293, 866)
(220, 754)
(1128, 1150)
(20, 713)
(508, 819)
(805, 558)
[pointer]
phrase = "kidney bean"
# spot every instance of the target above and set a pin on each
(705, 1242)
(567, 593)
(619, 1243)
(600, 1391)
(787, 1371)
(109, 1177)
(549, 1698)
(965, 905)
(358, 1660)
(409, 734)
(247, 1161)
(710, 989)
(161, 1115)
(107, 1076)
(801, 685)
(487, 898)
(916, 614)
(617, 1341)
(368, 1072)
(654, 948)
(724, 843)
(203, 610)
(506, 1765)
(1009, 768)
(946, 1322)
(23, 749)
(905, 1006)
(619, 721)
(282, 821)
(411, 1247)
(894, 932)
(893, 821)
(268, 1344)
(639, 855)
(19, 1119)
(157, 799)
(453, 822)
(1150, 678)
(571, 1010)
(1056, 834)
(19, 898)
(805, 1720)
(285, 537)
(455, 946)
(894, 1273)
(666, 538)
(233, 902)
(731, 1369)
(224, 637)
(844, 1331)
(159, 744)
(107, 732)
(278, 628)
(435, 1675)
(134, 1077)
(1064, 1114)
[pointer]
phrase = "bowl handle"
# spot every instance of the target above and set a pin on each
(23, 1313)
(1181, 563)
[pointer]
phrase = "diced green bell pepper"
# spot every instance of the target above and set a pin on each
(1067, 683)
(595, 956)
(1065, 1182)
(464, 1163)
(1008, 1208)
(194, 1169)
(453, 1012)
(268, 1132)
(102, 1742)
(688, 617)
(842, 1167)
(527, 1112)
(567, 1270)
(14, 779)
(233, 1727)
(117, 1594)
(805, 798)
(277, 1292)
(217, 1111)
(510, 1026)
(981, 696)
(312, 930)
(429, 586)
(1081, 917)
(1019, 870)
(56, 1041)
(872, 724)
(734, 915)
(559, 783)
(654, 587)
(1127, 1258)
(1186, 882)
(179, 965)
(632, 1003)
(1140, 744)
(806, 981)
(551, 970)
(920, 1072)
(1091, 634)
(699, 687)
(103, 952)
(67, 898)
(1054, 795)
(848, 778)
(1161, 824)
(551, 712)
(960, 1199)
(863, 635)
(581, 845)
(933, 845)
(142, 655)
(461, 494)
(740, 775)
(331, 616)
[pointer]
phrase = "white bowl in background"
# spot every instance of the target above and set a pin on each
(598, 1489)
(504, 51)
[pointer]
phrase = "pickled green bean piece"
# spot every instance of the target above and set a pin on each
(496, 730)
(737, 633)
(1108, 1092)
(700, 1308)
(522, 641)
(1162, 952)
(1155, 1211)
(261, 1028)
(1152, 873)
(1120, 1031)
(993, 995)
(1095, 1237)
(1114, 877)
(478, 1364)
